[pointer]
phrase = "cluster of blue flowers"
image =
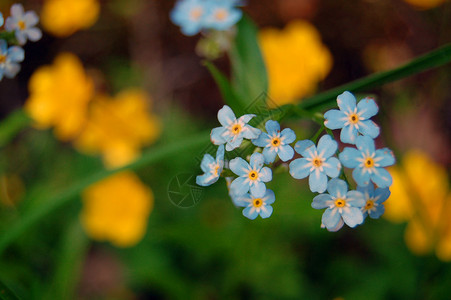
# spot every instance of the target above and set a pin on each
(22, 25)
(321, 163)
(194, 16)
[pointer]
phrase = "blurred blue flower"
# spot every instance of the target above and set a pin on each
(1, 19)
(252, 175)
(374, 200)
(341, 206)
(352, 119)
(22, 23)
(222, 14)
(189, 15)
(211, 167)
(276, 142)
(233, 130)
(255, 206)
(316, 162)
(9, 59)
(368, 162)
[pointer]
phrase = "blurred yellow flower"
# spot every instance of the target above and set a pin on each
(64, 17)
(118, 128)
(59, 96)
(296, 60)
(425, 4)
(421, 196)
(116, 209)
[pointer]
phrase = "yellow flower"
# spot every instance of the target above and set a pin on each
(59, 95)
(425, 4)
(116, 209)
(420, 195)
(64, 17)
(295, 59)
(118, 128)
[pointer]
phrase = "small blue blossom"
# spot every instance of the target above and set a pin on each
(353, 119)
(189, 15)
(222, 15)
(212, 168)
(23, 24)
(342, 206)
(9, 59)
(255, 206)
(1, 19)
(275, 142)
(317, 163)
(368, 162)
(374, 200)
(252, 175)
(233, 130)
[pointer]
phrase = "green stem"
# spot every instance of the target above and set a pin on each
(13, 124)
(316, 136)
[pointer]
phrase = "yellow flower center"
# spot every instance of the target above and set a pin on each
(275, 142)
(353, 118)
(253, 175)
(258, 202)
(369, 162)
(21, 25)
(369, 204)
(340, 202)
(215, 172)
(196, 13)
(317, 162)
(221, 14)
(236, 129)
(2, 58)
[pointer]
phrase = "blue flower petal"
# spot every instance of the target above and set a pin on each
(322, 201)
(288, 136)
(369, 128)
(266, 211)
(265, 174)
(3, 47)
(337, 188)
(318, 181)
(346, 102)
(349, 156)
(305, 148)
(361, 176)
(337, 227)
(269, 154)
(217, 136)
(250, 212)
(263, 140)
(226, 116)
(381, 178)
(234, 143)
(365, 144)
(330, 218)
(206, 160)
(16, 54)
(367, 108)
(239, 166)
(332, 167)
(335, 119)
(206, 179)
(246, 118)
(381, 194)
(367, 190)
(326, 146)
(239, 186)
(348, 134)
(300, 168)
(220, 154)
(384, 157)
(256, 161)
(352, 216)
(376, 214)
(286, 152)
(270, 197)
(272, 126)
(258, 189)
(242, 200)
(250, 132)
(355, 199)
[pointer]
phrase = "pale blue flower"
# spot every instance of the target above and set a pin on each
(374, 198)
(275, 142)
(353, 119)
(317, 163)
(252, 175)
(341, 206)
(1, 19)
(255, 206)
(212, 168)
(190, 15)
(9, 59)
(233, 130)
(368, 162)
(222, 14)
(23, 24)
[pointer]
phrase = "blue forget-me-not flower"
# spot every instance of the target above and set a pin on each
(9, 59)
(222, 14)
(255, 206)
(252, 175)
(276, 142)
(23, 24)
(374, 198)
(368, 162)
(1, 19)
(233, 130)
(316, 162)
(342, 206)
(353, 119)
(212, 168)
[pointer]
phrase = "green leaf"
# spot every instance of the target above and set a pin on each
(12, 125)
(248, 69)
(433, 59)
(6, 293)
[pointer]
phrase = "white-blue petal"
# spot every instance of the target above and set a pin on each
(335, 119)
(239, 166)
(382, 194)
(270, 197)
(305, 147)
(381, 178)
(272, 127)
(385, 157)
(332, 167)
(330, 218)
(352, 216)
(286, 152)
(367, 108)
(349, 156)
(288, 136)
(206, 161)
(365, 144)
(266, 211)
(216, 136)
(234, 143)
(348, 134)
(369, 128)
(262, 141)
(258, 189)
(346, 102)
(300, 168)
(250, 212)
(317, 182)
(321, 201)
(355, 199)
(239, 186)
(376, 214)
(250, 132)
(256, 161)
(265, 174)
(226, 116)
(337, 188)
(361, 176)
(269, 154)
(326, 146)
(206, 179)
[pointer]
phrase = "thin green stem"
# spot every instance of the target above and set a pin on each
(316, 136)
